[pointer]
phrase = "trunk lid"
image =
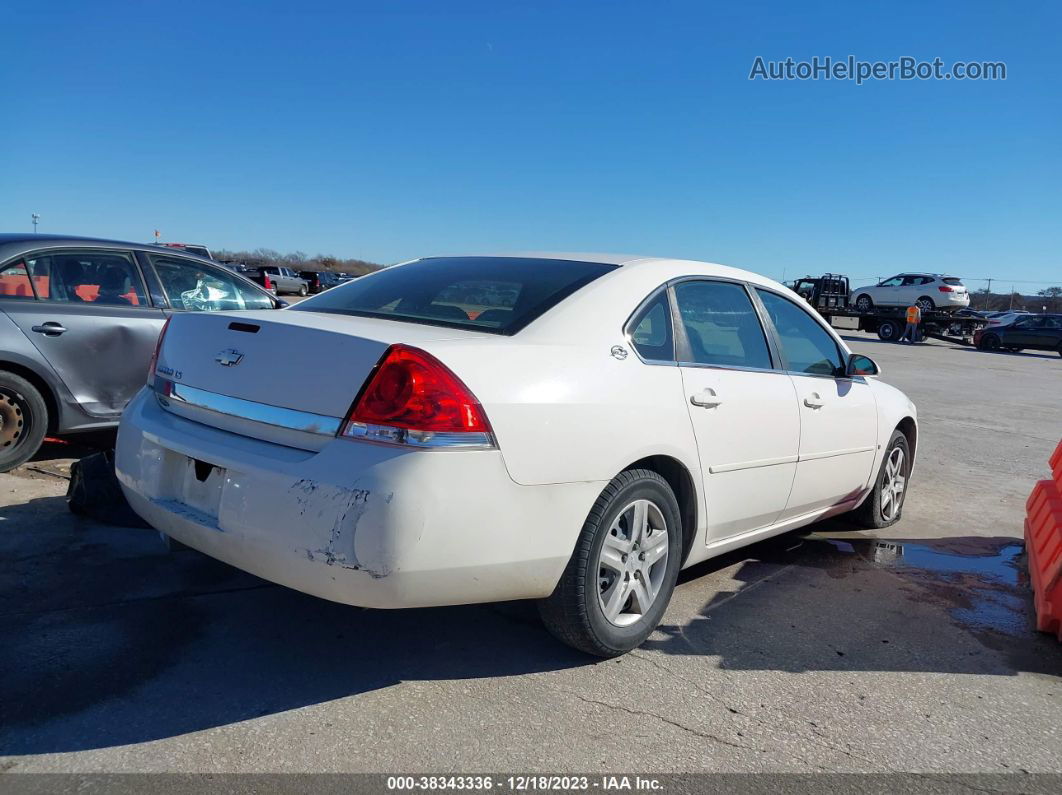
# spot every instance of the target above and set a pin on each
(304, 361)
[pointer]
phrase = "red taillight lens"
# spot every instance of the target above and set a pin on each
(265, 281)
(946, 289)
(412, 390)
(155, 355)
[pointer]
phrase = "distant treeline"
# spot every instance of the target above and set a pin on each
(996, 302)
(297, 260)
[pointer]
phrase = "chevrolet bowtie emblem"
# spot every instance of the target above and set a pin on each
(230, 357)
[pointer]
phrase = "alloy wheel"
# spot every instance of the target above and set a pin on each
(632, 563)
(893, 483)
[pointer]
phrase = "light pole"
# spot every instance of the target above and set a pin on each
(36, 218)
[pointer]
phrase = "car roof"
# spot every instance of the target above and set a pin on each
(15, 243)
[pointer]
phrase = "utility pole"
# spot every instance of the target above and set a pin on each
(988, 295)
(1012, 296)
(35, 218)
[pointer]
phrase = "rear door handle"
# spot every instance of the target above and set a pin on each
(813, 401)
(706, 399)
(49, 329)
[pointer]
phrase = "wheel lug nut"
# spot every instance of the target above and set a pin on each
(623, 558)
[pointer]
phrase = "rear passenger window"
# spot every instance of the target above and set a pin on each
(721, 325)
(101, 278)
(806, 345)
(15, 282)
(650, 330)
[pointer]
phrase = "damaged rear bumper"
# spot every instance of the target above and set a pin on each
(355, 522)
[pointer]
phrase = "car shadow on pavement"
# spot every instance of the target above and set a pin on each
(833, 598)
(111, 640)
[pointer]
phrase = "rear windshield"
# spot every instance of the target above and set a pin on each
(496, 294)
(951, 280)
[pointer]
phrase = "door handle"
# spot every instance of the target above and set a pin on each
(49, 329)
(706, 399)
(813, 401)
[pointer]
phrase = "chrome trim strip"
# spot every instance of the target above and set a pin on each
(245, 409)
(835, 453)
(763, 462)
(388, 434)
(786, 459)
(737, 367)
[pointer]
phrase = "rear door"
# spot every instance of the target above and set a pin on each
(838, 415)
(742, 407)
(92, 320)
(889, 292)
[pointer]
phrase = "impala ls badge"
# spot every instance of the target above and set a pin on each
(230, 357)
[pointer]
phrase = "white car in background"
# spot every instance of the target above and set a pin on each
(927, 290)
(568, 428)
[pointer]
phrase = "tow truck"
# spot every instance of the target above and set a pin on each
(829, 295)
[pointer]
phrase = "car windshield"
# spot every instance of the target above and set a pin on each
(495, 294)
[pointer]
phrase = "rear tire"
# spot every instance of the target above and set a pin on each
(989, 342)
(302, 290)
(873, 513)
(596, 605)
(889, 331)
(864, 303)
(23, 420)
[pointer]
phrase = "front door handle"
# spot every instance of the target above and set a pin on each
(706, 399)
(813, 401)
(49, 329)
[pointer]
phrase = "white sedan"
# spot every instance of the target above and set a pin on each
(568, 428)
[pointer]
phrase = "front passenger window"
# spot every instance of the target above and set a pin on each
(806, 345)
(192, 286)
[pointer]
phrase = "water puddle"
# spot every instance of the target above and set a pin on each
(982, 581)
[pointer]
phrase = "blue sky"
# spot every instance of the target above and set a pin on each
(393, 130)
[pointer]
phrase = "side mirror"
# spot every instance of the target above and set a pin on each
(858, 364)
(280, 303)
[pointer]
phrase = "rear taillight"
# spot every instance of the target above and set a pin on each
(946, 289)
(413, 398)
(265, 281)
(155, 355)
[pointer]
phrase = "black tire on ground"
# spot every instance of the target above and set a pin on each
(864, 303)
(23, 420)
(989, 342)
(869, 514)
(889, 330)
(925, 303)
(302, 290)
(573, 612)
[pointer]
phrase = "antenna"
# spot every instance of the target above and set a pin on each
(35, 218)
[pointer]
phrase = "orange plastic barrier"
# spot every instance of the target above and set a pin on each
(1043, 544)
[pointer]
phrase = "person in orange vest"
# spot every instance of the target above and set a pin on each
(914, 318)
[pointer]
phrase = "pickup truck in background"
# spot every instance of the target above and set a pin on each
(285, 279)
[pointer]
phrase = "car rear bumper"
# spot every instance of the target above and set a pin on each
(356, 522)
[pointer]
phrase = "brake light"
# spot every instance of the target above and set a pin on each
(946, 289)
(413, 398)
(265, 281)
(155, 355)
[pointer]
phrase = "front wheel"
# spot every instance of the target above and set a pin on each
(302, 290)
(989, 342)
(621, 576)
(885, 503)
(863, 303)
(23, 420)
(888, 331)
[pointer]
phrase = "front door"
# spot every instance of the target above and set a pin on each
(742, 408)
(93, 323)
(838, 415)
